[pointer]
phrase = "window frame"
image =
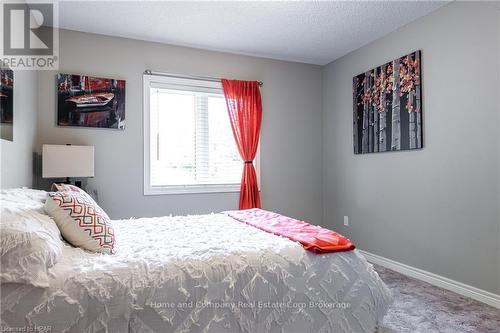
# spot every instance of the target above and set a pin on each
(168, 82)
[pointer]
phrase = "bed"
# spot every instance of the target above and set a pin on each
(199, 273)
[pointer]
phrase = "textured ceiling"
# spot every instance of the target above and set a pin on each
(310, 32)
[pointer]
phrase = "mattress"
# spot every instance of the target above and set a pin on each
(203, 273)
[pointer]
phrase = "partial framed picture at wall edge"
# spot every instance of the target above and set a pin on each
(90, 101)
(6, 104)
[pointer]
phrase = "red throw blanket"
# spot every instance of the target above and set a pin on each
(312, 238)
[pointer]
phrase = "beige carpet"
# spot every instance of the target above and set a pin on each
(423, 308)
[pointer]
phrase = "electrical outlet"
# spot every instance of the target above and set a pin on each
(346, 221)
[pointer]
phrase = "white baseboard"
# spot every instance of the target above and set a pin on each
(436, 280)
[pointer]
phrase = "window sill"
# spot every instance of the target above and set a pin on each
(194, 189)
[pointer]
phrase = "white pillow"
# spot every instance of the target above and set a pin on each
(30, 242)
(81, 221)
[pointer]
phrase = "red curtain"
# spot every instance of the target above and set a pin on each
(245, 113)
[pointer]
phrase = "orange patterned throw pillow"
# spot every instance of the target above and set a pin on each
(81, 221)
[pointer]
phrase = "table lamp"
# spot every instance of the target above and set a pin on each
(67, 161)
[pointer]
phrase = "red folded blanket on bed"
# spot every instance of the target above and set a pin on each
(312, 238)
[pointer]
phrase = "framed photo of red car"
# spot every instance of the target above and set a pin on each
(89, 101)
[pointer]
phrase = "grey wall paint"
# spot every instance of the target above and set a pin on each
(291, 129)
(437, 208)
(17, 155)
(498, 142)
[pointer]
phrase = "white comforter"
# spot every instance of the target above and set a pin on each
(206, 273)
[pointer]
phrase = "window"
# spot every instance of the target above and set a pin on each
(189, 145)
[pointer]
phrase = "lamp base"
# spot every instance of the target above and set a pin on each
(78, 183)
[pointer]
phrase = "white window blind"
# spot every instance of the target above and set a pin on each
(189, 141)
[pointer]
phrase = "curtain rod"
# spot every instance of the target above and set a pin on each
(204, 78)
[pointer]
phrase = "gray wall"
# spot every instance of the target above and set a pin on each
(291, 131)
(498, 142)
(17, 155)
(436, 208)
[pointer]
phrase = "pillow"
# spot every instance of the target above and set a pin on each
(66, 188)
(30, 242)
(62, 187)
(81, 221)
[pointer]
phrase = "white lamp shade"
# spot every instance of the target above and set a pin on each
(60, 161)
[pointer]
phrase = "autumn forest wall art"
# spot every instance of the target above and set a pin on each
(387, 110)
